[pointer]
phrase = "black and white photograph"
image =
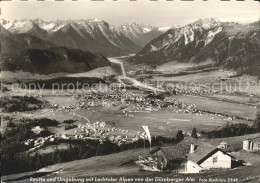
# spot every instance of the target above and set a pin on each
(130, 91)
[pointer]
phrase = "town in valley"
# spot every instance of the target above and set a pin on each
(90, 100)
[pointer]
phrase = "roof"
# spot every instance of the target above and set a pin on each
(174, 153)
(202, 150)
(213, 152)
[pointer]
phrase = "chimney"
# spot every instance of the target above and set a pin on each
(191, 148)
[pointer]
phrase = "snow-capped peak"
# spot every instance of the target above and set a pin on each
(19, 26)
(135, 30)
(95, 20)
(164, 29)
(207, 23)
(146, 29)
(51, 26)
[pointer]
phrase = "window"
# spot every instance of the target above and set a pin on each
(215, 159)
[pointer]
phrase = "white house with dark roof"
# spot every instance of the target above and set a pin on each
(192, 156)
(252, 144)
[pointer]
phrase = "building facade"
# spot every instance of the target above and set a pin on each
(251, 144)
(192, 156)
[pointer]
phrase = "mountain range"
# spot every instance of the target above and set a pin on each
(231, 45)
(227, 44)
(53, 60)
(93, 35)
(24, 51)
(15, 43)
(142, 34)
(68, 46)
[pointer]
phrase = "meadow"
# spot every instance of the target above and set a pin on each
(164, 122)
(242, 111)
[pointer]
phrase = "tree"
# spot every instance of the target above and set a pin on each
(256, 124)
(194, 133)
(179, 136)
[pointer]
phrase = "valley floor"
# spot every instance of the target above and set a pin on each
(125, 112)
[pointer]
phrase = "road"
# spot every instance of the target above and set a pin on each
(117, 61)
(132, 80)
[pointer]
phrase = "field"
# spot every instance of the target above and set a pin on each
(60, 100)
(237, 99)
(175, 66)
(52, 148)
(162, 122)
(204, 77)
(227, 108)
(12, 77)
(235, 142)
(223, 81)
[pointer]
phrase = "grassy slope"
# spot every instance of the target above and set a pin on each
(121, 164)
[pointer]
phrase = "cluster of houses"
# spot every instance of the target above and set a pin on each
(101, 131)
(137, 102)
(192, 108)
(140, 102)
(39, 142)
(96, 131)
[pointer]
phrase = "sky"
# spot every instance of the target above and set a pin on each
(156, 13)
